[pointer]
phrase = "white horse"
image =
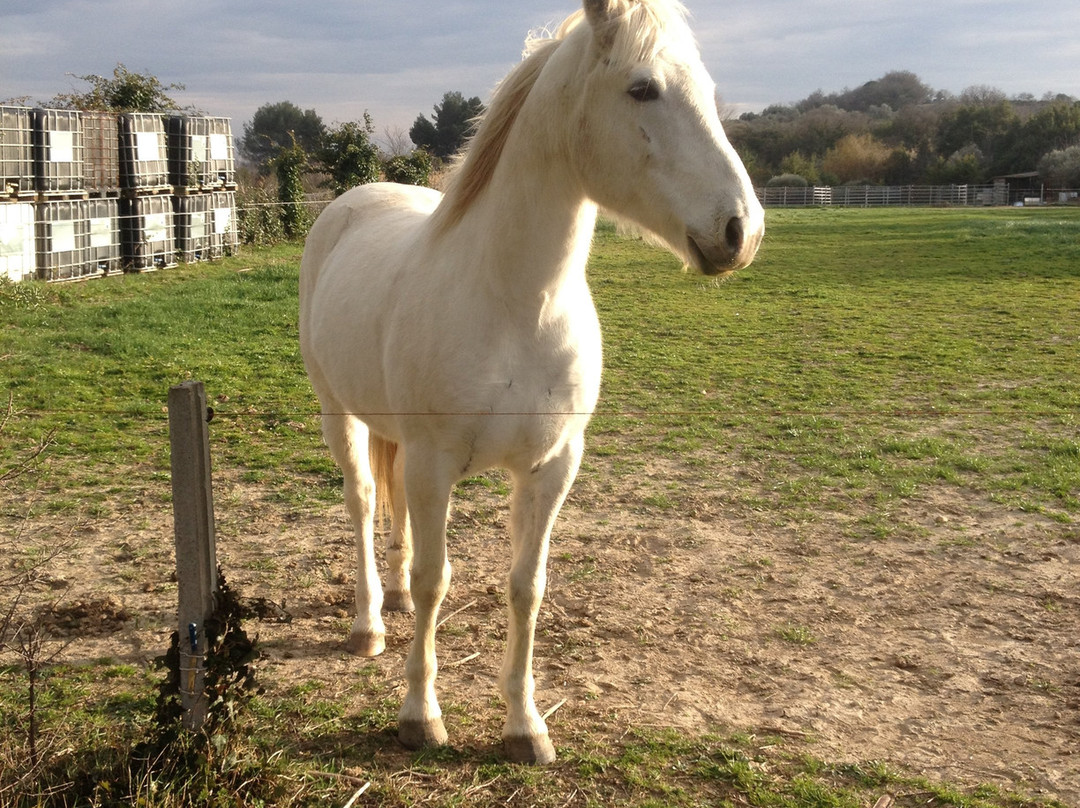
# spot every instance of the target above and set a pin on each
(445, 335)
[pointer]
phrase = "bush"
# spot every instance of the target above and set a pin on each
(856, 157)
(290, 165)
(963, 167)
(801, 166)
(787, 181)
(259, 216)
(348, 155)
(413, 169)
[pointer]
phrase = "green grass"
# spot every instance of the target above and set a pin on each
(867, 354)
(868, 357)
(93, 363)
(303, 747)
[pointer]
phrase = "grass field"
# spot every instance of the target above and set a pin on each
(866, 358)
(864, 354)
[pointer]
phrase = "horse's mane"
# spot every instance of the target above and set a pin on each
(471, 175)
(637, 30)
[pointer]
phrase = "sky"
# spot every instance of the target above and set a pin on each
(396, 58)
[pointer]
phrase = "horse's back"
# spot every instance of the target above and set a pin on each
(354, 255)
(359, 241)
(364, 217)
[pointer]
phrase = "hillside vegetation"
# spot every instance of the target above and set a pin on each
(896, 130)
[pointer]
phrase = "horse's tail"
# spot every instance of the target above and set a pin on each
(382, 454)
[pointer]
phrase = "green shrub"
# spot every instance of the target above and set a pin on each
(412, 169)
(787, 181)
(259, 216)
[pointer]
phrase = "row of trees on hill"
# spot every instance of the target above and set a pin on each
(897, 130)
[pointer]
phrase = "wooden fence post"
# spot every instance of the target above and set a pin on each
(196, 556)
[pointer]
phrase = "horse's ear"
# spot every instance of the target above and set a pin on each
(599, 13)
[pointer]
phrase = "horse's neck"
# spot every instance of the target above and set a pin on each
(532, 227)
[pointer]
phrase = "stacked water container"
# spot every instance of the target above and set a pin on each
(86, 194)
(146, 208)
(101, 175)
(202, 172)
(62, 210)
(18, 260)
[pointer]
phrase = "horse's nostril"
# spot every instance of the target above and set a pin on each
(733, 235)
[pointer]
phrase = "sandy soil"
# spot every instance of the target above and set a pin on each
(956, 655)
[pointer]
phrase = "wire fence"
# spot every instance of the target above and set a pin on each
(63, 239)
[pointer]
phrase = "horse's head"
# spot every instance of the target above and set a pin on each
(649, 140)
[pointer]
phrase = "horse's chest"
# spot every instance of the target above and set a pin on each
(539, 398)
(541, 382)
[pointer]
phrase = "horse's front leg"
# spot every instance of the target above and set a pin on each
(538, 496)
(427, 492)
(347, 438)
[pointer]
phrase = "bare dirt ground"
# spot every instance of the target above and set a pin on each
(955, 655)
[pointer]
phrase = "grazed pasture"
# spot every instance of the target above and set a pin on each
(824, 542)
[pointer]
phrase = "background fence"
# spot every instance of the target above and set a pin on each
(869, 196)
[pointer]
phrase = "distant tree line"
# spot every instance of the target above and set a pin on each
(295, 145)
(347, 153)
(896, 130)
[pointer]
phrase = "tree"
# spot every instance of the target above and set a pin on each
(982, 95)
(349, 156)
(856, 157)
(279, 126)
(897, 89)
(964, 167)
(124, 92)
(290, 165)
(915, 126)
(453, 122)
(1053, 128)
(820, 129)
(987, 126)
(1061, 168)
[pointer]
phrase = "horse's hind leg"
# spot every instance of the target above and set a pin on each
(427, 485)
(347, 438)
(538, 496)
(399, 550)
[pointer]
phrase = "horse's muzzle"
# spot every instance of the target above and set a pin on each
(732, 248)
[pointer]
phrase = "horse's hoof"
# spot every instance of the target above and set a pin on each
(398, 602)
(366, 643)
(420, 734)
(536, 749)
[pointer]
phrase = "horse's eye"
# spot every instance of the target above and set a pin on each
(644, 91)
